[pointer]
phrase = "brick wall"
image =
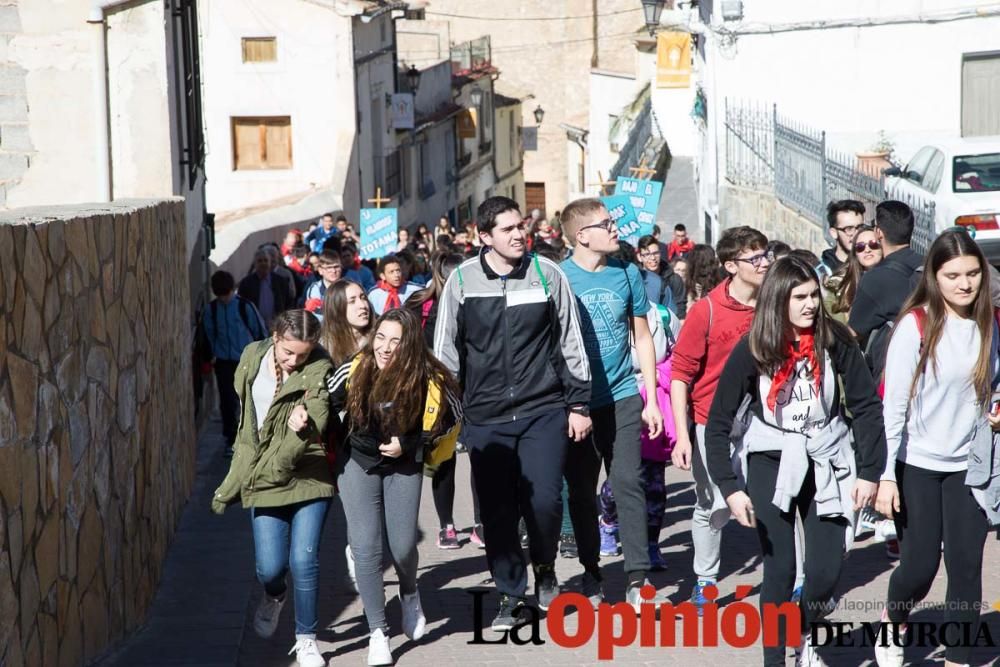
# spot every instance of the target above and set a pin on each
(97, 440)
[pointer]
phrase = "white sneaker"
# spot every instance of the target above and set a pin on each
(885, 530)
(350, 568)
(414, 622)
(891, 655)
(307, 653)
(379, 652)
(806, 655)
(265, 619)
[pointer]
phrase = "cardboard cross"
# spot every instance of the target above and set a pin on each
(643, 171)
(601, 182)
(379, 200)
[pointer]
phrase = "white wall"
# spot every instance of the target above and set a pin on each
(852, 82)
(609, 94)
(312, 82)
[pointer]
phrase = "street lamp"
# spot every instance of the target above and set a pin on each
(539, 114)
(413, 78)
(476, 95)
(652, 10)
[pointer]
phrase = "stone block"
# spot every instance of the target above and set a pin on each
(13, 108)
(24, 387)
(8, 265)
(79, 431)
(48, 632)
(52, 305)
(32, 651)
(8, 424)
(15, 137)
(70, 376)
(105, 238)
(127, 403)
(70, 632)
(10, 20)
(91, 539)
(99, 366)
(47, 554)
(57, 242)
(76, 243)
(29, 493)
(98, 327)
(12, 166)
(8, 602)
(31, 342)
(95, 623)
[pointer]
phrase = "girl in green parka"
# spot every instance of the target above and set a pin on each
(280, 472)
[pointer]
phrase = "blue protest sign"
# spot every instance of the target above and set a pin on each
(623, 215)
(645, 198)
(378, 232)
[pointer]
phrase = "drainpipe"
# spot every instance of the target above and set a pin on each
(102, 114)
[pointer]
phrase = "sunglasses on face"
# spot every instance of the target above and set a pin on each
(607, 224)
(756, 260)
(871, 245)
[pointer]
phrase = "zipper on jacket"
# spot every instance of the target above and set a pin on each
(506, 350)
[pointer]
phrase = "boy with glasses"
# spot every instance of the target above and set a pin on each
(330, 269)
(713, 327)
(845, 218)
(613, 307)
(663, 286)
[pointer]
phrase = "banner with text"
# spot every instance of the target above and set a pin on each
(623, 215)
(645, 199)
(673, 60)
(378, 232)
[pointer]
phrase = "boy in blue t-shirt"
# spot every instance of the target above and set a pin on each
(613, 307)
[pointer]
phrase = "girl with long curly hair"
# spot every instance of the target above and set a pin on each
(398, 400)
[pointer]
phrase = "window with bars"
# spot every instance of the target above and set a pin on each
(260, 49)
(393, 174)
(262, 142)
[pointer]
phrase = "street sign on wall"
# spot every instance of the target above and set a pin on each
(529, 138)
(402, 111)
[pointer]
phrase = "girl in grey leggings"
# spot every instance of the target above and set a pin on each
(397, 399)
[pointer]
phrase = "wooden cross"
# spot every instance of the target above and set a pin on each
(379, 200)
(642, 169)
(604, 184)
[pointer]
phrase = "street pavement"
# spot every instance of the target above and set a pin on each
(203, 610)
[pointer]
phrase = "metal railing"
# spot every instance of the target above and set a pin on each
(768, 151)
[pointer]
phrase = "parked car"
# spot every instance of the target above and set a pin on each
(962, 177)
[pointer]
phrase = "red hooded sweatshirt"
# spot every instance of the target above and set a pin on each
(701, 353)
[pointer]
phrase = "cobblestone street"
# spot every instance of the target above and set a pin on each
(205, 604)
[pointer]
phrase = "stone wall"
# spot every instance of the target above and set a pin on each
(763, 211)
(97, 440)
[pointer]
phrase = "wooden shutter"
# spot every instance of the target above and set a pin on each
(981, 95)
(260, 49)
(534, 195)
(262, 143)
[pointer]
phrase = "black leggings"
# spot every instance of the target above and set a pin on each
(443, 489)
(824, 541)
(941, 507)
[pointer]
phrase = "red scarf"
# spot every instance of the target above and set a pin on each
(391, 301)
(806, 350)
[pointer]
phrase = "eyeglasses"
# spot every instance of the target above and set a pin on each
(871, 245)
(649, 255)
(607, 224)
(757, 260)
(849, 230)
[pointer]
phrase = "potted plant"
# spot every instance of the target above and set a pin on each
(878, 156)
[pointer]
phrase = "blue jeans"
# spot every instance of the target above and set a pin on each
(288, 537)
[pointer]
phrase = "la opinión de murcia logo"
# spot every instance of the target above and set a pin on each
(738, 624)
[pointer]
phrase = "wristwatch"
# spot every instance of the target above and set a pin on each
(581, 410)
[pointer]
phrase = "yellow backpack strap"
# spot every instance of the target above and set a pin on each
(354, 366)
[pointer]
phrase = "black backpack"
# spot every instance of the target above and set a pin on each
(877, 346)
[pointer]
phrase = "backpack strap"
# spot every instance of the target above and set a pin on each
(461, 281)
(538, 268)
(920, 315)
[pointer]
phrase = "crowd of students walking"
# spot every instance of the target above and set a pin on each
(811, 398)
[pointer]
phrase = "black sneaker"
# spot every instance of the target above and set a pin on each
(507, 617)
(546, 585)
(567, 546)
(592, 589)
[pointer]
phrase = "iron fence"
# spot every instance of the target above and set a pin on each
(768, 151)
